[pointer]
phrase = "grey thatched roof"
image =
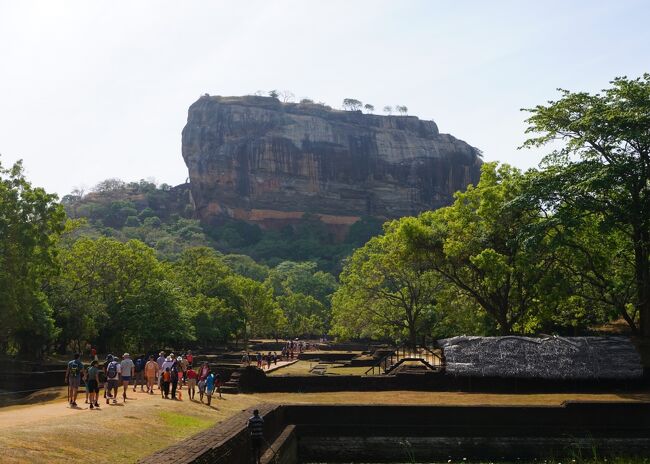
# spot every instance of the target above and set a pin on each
(544, 358)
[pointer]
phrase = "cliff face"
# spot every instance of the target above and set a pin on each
(259, 160)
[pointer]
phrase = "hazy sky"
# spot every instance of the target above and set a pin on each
(91, 90)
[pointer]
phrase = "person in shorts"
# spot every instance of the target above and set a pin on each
(112, 379)
(191, 376)
(73, 379)
(151, 371)
(127, 369)
(92, 383)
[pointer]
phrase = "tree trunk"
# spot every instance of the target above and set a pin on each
(642, 274)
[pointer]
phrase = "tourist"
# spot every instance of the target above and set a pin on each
(109, 358)
(259, 359)
(256, 429)
(93, 354)
(203, 375)
(160, 361)
(191, 376)
(190, 358)
(165, 380)
(151, 373)
(246, 359)
(268, 361)
(92, 383)
(112, 379)
(174, 371)
(84, 379)
(73, 379)
(126, 370)
(139, 373)
(217, 384)
(184, 365)
(209, 387)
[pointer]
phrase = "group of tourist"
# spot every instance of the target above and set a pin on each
(290, 350)
(168, 373)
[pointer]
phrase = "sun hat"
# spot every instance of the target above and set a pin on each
(125, 355)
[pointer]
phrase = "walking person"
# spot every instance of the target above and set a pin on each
(160, 361)
(259, 359)
(246, 359)
(73, 379)
(151, 372)
(209, 387)
(127, 369)
(139, 373)
(191, 382)
(93, 384)
(256, 429)
(112, 379)
(174, 371)
(190, 357)
(217, 384)
(203, 375)
(165, 380)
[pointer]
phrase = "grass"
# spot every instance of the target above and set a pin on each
(181, 421)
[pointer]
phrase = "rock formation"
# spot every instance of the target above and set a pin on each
(259, 160)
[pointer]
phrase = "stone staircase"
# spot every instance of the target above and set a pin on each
(232, 385)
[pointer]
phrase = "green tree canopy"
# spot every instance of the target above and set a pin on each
(481, 245)
(603, 165)
(30, 222)
(385, 293)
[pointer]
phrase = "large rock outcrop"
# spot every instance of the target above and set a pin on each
(260, 160)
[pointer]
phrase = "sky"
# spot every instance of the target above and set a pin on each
(91, 90)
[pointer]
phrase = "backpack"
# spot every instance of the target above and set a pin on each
(111, 371)
(74, 369)
(139, 364)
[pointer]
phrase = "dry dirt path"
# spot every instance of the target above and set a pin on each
(52, 432)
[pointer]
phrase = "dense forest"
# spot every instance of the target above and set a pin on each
(559, 249)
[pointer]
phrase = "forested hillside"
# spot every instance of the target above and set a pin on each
(163, 217)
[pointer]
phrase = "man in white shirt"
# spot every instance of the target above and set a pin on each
(127, 369)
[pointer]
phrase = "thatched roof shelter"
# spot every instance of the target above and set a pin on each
(542, 357)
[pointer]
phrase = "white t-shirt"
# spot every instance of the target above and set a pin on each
(126, 367)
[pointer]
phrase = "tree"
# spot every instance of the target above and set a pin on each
(403, 110)
(388, 110)
(482, 245)
(287, 96)
(603, 165)
(257, 309)
(291, 277)
(385, 292)
(118, 295)
(351, 104)
(30, 223)
(274, 94)
(369, 108)
(304, 315)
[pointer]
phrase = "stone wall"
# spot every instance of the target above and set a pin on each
(391, 433)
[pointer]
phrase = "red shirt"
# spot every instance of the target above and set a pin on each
(191, 374)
